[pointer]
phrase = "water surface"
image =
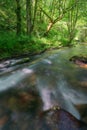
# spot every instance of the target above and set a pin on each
(50, 80)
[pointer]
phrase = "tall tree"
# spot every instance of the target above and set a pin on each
(57, 10)
(31, 9)
(71, 22)
(28, 15)
(18, 15)
(7, 15)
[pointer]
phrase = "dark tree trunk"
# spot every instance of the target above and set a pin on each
(28, 16)
(35, 12)
(18, 14)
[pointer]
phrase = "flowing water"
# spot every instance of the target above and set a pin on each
(49, 80)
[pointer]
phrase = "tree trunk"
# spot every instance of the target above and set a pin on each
(34, 15)
(50, 25)
(49, 28)
(28, 16)
(18, 15)
(71, 24)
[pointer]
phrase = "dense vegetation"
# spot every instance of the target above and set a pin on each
(32, 26)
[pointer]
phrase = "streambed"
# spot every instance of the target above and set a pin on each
(28, 89)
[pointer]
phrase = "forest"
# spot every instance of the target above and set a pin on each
(33, 26)
(43, 64)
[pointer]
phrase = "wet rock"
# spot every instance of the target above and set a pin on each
(21, 61)
(52, 119)
(9, 63)
(83, 83)
(80, 61)
(82, 108)
(59, 119)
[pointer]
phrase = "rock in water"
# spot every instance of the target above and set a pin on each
(59, 119)
(80, 61)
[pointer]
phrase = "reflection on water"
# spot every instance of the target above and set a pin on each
(52, 80)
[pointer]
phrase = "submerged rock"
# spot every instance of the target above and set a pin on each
(22, 111)
(51, 119)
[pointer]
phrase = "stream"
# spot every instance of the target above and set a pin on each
(33, 93)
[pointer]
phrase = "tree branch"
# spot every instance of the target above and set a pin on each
(46, 14)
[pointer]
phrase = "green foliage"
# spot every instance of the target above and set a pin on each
(10, 44)
(43, 12)
(6, 41)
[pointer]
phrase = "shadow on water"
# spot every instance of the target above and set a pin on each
(48, 94)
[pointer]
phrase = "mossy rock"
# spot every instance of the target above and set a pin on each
(79, 60)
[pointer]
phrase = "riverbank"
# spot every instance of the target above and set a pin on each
(12, 46)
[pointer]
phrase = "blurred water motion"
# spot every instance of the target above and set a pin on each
(29, 93)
